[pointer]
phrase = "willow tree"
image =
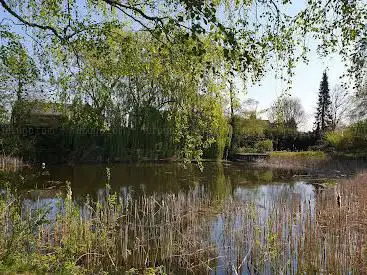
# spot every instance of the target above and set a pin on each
(130, 81)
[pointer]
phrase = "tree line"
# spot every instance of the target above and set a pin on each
(135, 67)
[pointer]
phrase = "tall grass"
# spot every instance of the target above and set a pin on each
(189, 233)
(8, 163)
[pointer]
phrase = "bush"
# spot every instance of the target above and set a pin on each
(264, 146)
(351, 139)
(259, 147)
(285, 139)
(340, 140)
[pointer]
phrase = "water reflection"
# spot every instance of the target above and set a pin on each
(216, 178)
(260, 210)
(131, 181)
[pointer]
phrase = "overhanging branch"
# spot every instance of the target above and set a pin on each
(28, 23)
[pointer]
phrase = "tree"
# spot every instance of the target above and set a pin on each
(249, 31)
(18, 71)
(287, 112)
(247, 35)
(359, 103)
(249, 108)
(340, 105)
(340, 26)
(129, 81)
(232, 99)
(323, 112)
(245, 47)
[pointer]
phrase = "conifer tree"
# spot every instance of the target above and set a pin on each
(323, 113)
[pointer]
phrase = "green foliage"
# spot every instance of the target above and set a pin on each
(339, 23)
(359, 110)
(352, 139)
(18, 242)
(250, 127)
(249, 130)
(222, 140)
(336, 139)
(323, 113)
(18, 70)
(264, 145)
(289, 139)
(244, 150)
(138, 84)
(261, 146)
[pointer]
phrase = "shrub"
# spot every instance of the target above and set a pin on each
(264, 145)
(351, 139)
(258, 147)
(285, 139)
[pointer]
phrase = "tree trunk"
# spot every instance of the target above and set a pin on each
(19, 91)
(232, 122)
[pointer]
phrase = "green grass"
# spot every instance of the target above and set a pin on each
(299, 155)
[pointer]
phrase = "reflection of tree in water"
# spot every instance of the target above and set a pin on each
(221, 186)
(250, 176)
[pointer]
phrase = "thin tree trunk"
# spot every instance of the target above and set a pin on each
(19, 91)
(232, 122)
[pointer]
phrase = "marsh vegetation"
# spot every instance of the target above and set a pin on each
(241, 223)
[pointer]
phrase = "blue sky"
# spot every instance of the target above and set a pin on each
(305, 85)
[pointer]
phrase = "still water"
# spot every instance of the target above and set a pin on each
(239, 180)
(285, 197)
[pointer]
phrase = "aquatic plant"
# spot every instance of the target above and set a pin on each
(189, 232)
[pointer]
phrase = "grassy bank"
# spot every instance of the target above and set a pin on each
(295, 160)
(318, 155)
(188, 233)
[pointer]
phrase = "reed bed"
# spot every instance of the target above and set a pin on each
(8, 163)
(190, 233)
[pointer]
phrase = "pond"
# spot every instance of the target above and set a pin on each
(228, 218)
(217, 179)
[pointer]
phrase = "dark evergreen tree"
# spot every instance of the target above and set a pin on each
(323, 113)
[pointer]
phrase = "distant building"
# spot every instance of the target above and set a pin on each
(39, 114)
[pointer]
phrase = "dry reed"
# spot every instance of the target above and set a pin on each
(192, 233)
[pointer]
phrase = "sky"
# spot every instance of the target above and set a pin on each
(305, 85)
